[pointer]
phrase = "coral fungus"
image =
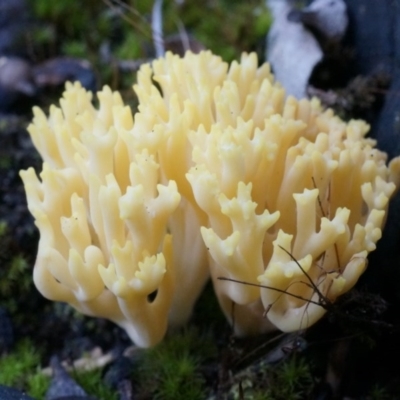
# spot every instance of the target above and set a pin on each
(214, 174)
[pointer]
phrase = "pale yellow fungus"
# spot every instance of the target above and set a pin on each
(215, 175)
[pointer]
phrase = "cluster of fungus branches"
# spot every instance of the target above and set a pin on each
(216, 174)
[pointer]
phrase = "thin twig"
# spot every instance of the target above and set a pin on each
(323, 300)
(157, 28)
(124, 16)
(222, 278)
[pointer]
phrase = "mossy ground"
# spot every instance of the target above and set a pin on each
(123, 28)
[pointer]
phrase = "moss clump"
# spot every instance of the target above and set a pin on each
(248, 23)
(37, 385)
(172, 369)
(20, 369)
(290, 380)
(17, 365)
(91, 382)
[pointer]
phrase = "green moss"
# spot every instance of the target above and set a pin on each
(74, 48)
(91, 382)
(248, 23)
(171, 370)
(131, 47)
(37, 385)
(290, 380)
(293, 380)
(17, 366)
(68, 28)
(21, 369)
